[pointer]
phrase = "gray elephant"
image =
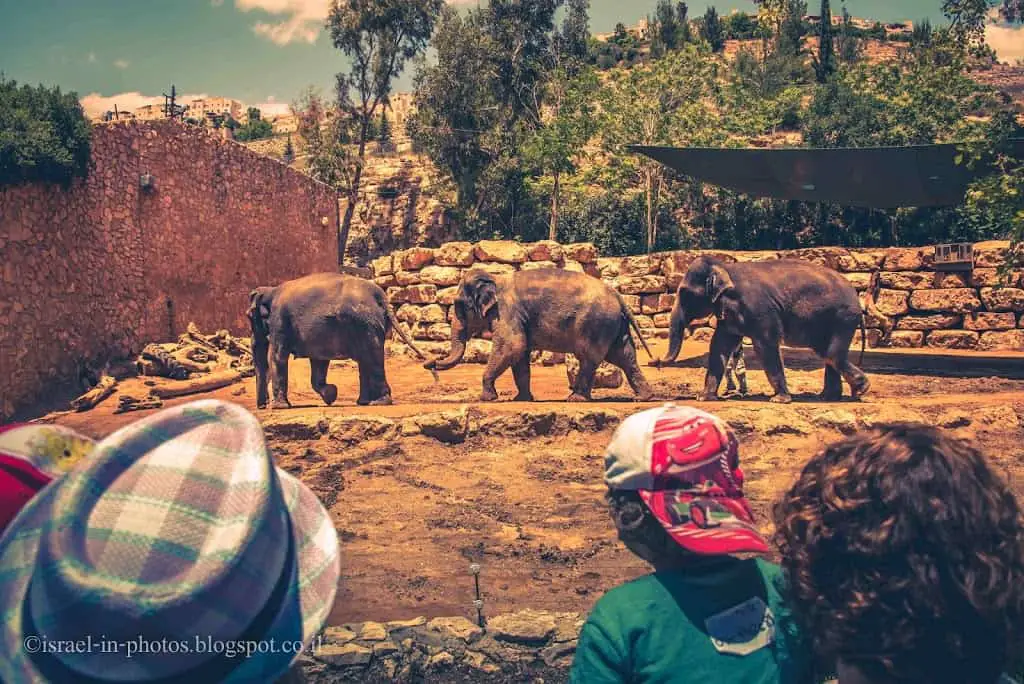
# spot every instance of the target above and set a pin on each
(771, 302)
(321, 317)
(549, 309)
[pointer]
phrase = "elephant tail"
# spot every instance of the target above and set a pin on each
(393, 320)
(633, 323)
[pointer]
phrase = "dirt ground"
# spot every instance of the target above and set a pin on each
(414, 513)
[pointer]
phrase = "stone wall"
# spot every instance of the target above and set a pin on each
(976, 310)
(101, 268)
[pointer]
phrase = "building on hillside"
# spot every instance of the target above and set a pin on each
(211, 107)
(149, 112)
(899, 28)
(641, 31)
(856, 22)
(286, 123)
(111, 115)
(401, 106)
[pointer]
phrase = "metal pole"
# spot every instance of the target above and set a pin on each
(478, 603)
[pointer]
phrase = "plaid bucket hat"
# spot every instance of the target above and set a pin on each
(31, 456)
(684, 464)
(176, 552)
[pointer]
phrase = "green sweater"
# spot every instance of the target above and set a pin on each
(724, 624)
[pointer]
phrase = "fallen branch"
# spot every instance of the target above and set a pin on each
(203, 384)
(101, 391)
(127, 403)
(165, 364)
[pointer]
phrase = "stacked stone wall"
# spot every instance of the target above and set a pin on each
(976, 310)
(103, 267)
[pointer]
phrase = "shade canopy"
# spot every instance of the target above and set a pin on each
(878, 177)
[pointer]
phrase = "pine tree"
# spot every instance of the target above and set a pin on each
(712, 30)
(385, 128)
(683, 21)
(826, 64)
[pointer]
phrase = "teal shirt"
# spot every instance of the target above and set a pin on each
(659, 628)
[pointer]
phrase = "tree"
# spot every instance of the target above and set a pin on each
(44, 135)
(712, 31)
(324, 135)
(620, 36)
(384, 133)
(574, 38)
(666, 25)
(740, 26)
(289, 151)
(683, 21)
(252, 114)
(378, 37)
(825, 65)
(849, 47)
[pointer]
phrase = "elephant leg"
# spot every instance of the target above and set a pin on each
(504, 355)
(771, 359)
(374, 389)
(521, 373)
(624, 356)
(833, 383)
(259, 362)
(722, 346)
(318, 378)
(584, 384)
(279, 364)
(839, 358)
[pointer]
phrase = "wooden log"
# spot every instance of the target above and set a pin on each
(166, 364)
(202, 384)
(181, 356)
(101, 391)
(126, 402)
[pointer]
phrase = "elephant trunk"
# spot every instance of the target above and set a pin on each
(458, 351)
(677, 332)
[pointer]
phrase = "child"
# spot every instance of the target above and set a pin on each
(710, 612)
(904, 552)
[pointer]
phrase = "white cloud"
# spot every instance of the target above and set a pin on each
(272, 108)
(1007, 41)
(95, 104)
(92, 58)
(121, 63)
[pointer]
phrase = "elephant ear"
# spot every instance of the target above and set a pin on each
(258, 305)
(718, 283)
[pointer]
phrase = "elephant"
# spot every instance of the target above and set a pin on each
(736, 372)
(322, 316)
(548, 309)
(801, 304)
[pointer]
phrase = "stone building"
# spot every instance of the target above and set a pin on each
(215, 106)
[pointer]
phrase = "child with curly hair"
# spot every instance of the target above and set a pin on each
(904, 556)
(712, 611)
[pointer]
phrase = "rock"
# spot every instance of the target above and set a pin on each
(500, 251)
(478, 351)
(386, 282)
(520, 425)
(383, 266)
(857, 260)
(953, 419)
(633, 302)
(373, 631)
(583, 252)
(776, 422)
(874, 338)
(990, 254)
(440, 660)
(990, 321)
(1011, 340)
(952, 339)
(702, 335)
(414, 294)
(437, 332)
(860, 281)
(609, 267)
(550, 358)
(449, 427)
(656, 303)
(835, 419)
(997, 418)
(892, 302)
(454, 254)
(892, 414)
(538, 265)
(454, 628)
(294, 427)
(573, 265)
(990, 277)
(567, 626)
(641, 285)
(643, 322)
(446, 297)
(606, 377)
(441, 275)
(594, 420)
(954, 300)
(934, 322)
(951, 280)
(911, 280)
(384, 649)
(338, 635)
(406, 624)
(649, 264)
(495, 269)
(525, 627)
(432, 313)
(1003, 298)
(416, 258)
(360, 428)
(409, 313)
(757, 255)
(906, 259)
(406, 278)
(478, 661)
(906, 339)
(545, 250)
(823, 256)
(559, 655)
(662, 320)
(344, 655)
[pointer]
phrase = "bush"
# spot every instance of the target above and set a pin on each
(44, 135)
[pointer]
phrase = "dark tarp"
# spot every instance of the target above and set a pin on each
(879, 177)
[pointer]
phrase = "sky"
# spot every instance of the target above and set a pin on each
(262, 52)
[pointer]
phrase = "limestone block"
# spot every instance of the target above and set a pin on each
(416, 258)
(414, 294)
(573, 265)
(606, 377)
(409, 313)
(656, 303)
(934, 322)
(384, 282)
(500, 251)
(874, 336)
(441, 275)
(432, 313)
(537, 265)
(634, 303)
(642, 285)
(762, 255)
(823, 256)
(990, 277)
(648, 264)
(454, 254)
(892, 302)
(907, 258)
(406, 278)
(383, 266)
(858, 260)
(953, 300)
(494, 268)
(545, 250)
(583, 252)
(609, 267)
(446, 297)
(702, 335)
(1003, 299)
(991, 254)
(435, 332)
(952, 339)
(663, 320)
(906, 280)
(990, 321)
(903, 339)
(1010, 340)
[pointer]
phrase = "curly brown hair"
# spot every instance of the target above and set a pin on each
(904, 555)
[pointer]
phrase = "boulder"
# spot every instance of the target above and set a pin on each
(951, 280)
(291, 426)
(860, 281)
(537, 265)
(662, 320)
(857, 260)
(384, 282)
(907, 280)
(823, 256)
(495, 269)
(450, 427)
(907, 258)
(414, 294)
(954, 300)
(656, 303)
(777, 422)
(384, 649)
(906, 339)
(933, 322)
(758, 255)
(990, 254)
(874, 337)
(702, 335)
(406, 278)
(1010, 340)
(360, 428)
(634, 303)
(528, 627)
(892, 414)
(641, 285)
(544, 250)
(454, 254)
(649, 264)
(609, 267)
(500, 251)
(892, 302)
(441, 275)
(478, 351)
(606, 377)
(432, 313)
(383, 266)
(454, 628)
(410, 313)
(1003, 298)
(952, 339)
(998, 418)
(343, 655)
(550, 358)
(446, 297)
(643, 321)
(990, 321)
(435, 332)
(523, 425)
(416, 258)
(583, 252)
(373, 631)
(990, 277)
(953, 419)
(573, 265)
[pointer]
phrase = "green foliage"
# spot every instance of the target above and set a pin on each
(44, 135)
(994, 206)
(384, 132)
(712, 30)
(740, 26)
(572, 43)
(252, 114)
(667, 30)
(254, 129)
(825, 64)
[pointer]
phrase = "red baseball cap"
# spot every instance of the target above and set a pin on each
(32, 456)
(684, 464)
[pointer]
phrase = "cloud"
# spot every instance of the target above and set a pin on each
(272, 108)
(1007, 41)
(121, 63)
(95, 104)
(92, 58)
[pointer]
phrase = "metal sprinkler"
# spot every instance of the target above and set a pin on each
(478, 602)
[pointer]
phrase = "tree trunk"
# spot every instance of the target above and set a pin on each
(204, 384)
(649, 189)
(353, 195)
(553, 230)
(94, 396)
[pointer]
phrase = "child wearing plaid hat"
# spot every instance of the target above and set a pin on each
(711, 611)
